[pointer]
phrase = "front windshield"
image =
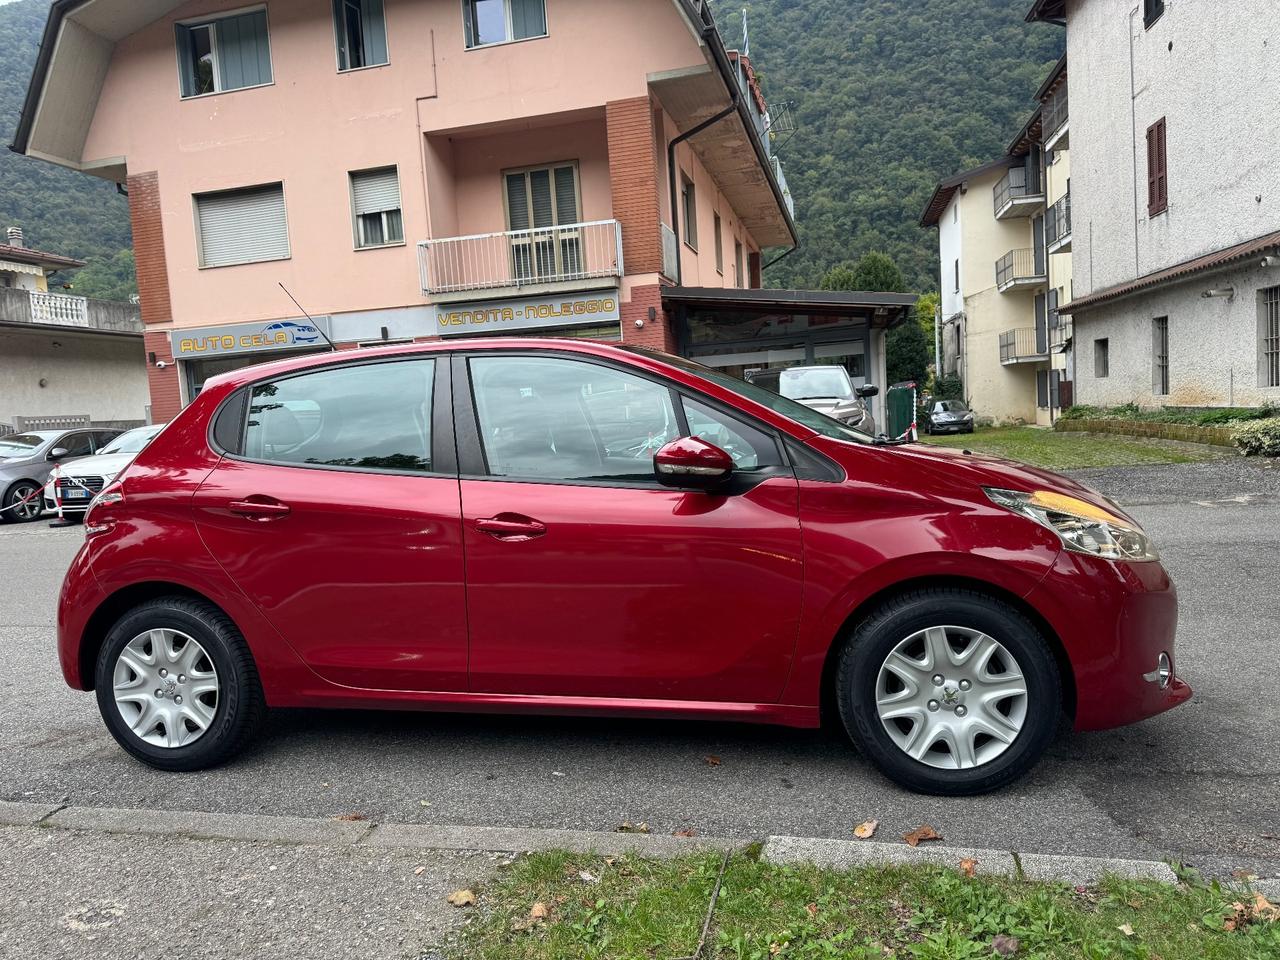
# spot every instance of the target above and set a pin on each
(807, 416)
(20, 445)
(953, 406)
(815, 383)
(130, 442)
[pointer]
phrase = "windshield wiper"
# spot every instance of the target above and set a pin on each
(883, 440)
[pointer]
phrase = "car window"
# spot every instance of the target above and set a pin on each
(131, 441)
(77, 445)
(103, 437)
(552, 418)
(815, 383)
(373, 416)
(20, 444)
(750, 447)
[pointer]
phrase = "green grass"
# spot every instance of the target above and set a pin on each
(639, 908)
(1068, 450)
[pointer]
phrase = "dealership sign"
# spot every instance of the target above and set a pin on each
(529, 313)
(228, 339)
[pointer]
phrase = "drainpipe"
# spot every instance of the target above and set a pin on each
(671, 176)
(782, 256)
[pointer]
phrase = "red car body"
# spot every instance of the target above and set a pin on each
(390, 591)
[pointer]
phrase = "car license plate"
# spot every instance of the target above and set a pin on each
(76, 493)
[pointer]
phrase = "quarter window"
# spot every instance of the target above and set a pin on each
(550, 418)
(374, 416)
(375, 200)
(361, 32)
(750, 447)
(500, 21)
(227, 53)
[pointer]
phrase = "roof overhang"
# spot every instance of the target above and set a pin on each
(15, 258)
(1027, 137)
(1056, 78)
(881, 309)
(945, 190)
(1048, 11)
(1227, 258)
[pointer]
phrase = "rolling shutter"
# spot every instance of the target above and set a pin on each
(375, 191)
(242, 226)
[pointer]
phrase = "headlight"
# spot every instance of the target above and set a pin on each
(1083, 527)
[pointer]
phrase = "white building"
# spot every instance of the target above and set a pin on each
(1176, 154)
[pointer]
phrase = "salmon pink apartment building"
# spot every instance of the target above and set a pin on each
(414, 169)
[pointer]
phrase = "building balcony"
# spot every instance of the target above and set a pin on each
(1060, 330)
(1057, 225)
(39, 308)
(544, 260)
(1023, 345)
(1017, 195)
(1020, 270)
(1055, 121)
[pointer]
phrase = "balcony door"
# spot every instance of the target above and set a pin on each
(543, 205)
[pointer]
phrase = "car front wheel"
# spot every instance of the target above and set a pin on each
(949, 691)
(23, 502)
(177, 686)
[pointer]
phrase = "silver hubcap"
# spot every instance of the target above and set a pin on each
(166, 688)
(951, 697)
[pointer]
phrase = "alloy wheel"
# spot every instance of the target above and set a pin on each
(951, 697)
(24, 509)
(165, 688)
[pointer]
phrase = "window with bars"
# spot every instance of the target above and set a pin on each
(1269, 337)
(543, 208)
(1160, 356)
(1157, 169)
(375, 201)
(361, 32)
(501, 21)
(225, 53)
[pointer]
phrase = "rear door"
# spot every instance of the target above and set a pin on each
(337, 514)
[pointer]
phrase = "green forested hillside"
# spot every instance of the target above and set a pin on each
(889, 96)
(59, 210)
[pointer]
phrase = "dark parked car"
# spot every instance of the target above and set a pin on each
(559, 526)
(27, 459)
(827, 389)
(948, 416)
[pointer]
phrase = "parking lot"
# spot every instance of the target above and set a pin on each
(1199, 785)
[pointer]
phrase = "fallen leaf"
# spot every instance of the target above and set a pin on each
(351, 816)
(919, 834)
(1005, 946)
(686, 832)
(586, 876)
(1126, 929)
(538, 911)
(419, 871)
(866, 829)
(812, 908)
(712, 761)
(462, 898)
(424, 803)
(628, 827)
(610, 861)
(1265, 909)
(968, 866)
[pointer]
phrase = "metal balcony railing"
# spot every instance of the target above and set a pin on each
(1014, 185)
(521, 258)
(1057, 221)
(1054, 116)
(1023, 343)
(1018, 267)
(64, 310)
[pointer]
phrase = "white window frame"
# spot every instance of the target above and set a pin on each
(509, 27)
(337, 45)
(555, 210)
(355, 218)
(210, 21)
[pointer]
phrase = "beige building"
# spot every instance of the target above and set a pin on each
(1004, 236)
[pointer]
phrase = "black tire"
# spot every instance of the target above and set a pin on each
(870, 643)
(240, 709)
(20, 491)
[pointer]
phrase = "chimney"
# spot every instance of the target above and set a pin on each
(15, 236)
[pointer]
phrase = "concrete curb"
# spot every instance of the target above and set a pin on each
(839, 854)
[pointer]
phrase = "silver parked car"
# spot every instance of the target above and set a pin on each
(27, 459)
(827, 389)
(79, 484)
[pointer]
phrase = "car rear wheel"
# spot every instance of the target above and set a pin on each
(949, 691)
(23, 502)
(177, 686)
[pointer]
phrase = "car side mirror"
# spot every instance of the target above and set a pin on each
(57, 453)
(692, 462)
(867, 391)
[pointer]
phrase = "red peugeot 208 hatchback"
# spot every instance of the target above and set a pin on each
(528, 525)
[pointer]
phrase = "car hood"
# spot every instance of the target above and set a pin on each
(103, 465)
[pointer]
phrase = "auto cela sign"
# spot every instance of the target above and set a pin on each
(236, 338)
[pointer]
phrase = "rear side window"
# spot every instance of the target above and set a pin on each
(370, 417)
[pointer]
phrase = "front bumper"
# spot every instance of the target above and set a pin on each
(1114, 619)
(952, 426)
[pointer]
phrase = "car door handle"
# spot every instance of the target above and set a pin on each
(262, 508)
(512, 527)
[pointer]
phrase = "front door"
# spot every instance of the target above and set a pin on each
(585, 577)
(338, 516)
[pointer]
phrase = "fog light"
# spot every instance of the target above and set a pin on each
(1163, 673)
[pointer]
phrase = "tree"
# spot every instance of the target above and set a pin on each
(874, 271)
(907, 354)
(839, 277)
(926, 314)
(107, 278)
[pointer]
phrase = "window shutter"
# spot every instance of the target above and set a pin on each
(1152, 161)
(242, 226)
(186, 66)
(566, 196)
(375, 32)
(517, 202)
(1162, 169)
(375, 191)
(528, 19)
(244, 58)
(540, 188)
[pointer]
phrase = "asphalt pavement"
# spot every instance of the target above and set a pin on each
(1200, 785)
